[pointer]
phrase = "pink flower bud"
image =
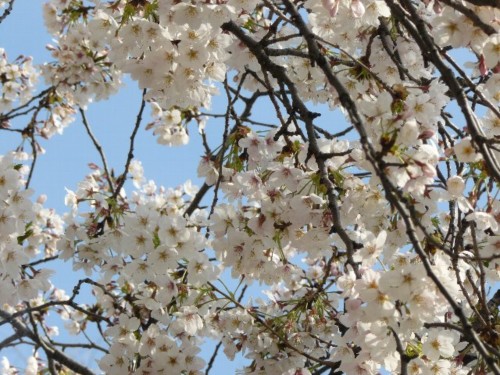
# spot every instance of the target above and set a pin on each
(357, 8)
(426, 134)
(332, 6)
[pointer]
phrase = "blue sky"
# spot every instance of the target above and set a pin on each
(65, 162)
(67, 156)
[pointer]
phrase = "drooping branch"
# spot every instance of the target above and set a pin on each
(392, 194)
(471, 15)
(418, 30)
(485, 3)
(307, 116)
(55, 354)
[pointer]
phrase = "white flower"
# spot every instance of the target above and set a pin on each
(372, 248)
(441, 367)
(149, 343)
(491, 51)
(455, 186)
(416, 366)
(172, 230)
(408, 134)
(465, 152)
(124, 330)
(201, 270)
(73, 327)
(190, 189)
(332, 6)
(5, 367)
(483, 220)
(189, 320)
(31, 365)
(27, 289)
(440, 344)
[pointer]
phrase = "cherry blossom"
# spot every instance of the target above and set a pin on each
(347, 211)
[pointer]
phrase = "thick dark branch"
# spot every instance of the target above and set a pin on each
(7, 11)
(485, 3)
(9, 341)
(286, 52)
(418, 30)
(392, 194)
(197, 199)
(470, 14)
(55, 354)
(403, 357)
(279, 73)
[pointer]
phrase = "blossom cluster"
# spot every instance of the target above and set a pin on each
(17, 80)
(282, 214)
(28, 232)
(151, 260)
(165, 47)
(375, 245)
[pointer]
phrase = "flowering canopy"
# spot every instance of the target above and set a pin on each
(375, 241)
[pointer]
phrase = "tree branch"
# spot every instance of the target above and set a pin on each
(55, 354)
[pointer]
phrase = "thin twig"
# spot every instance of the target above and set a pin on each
(55, 354)
(130, 154)
(98, 147)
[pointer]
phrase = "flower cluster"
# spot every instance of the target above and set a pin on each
(17, 80)
(375, 245)
(28, 232)
(81, 70)
(152, 262)
(165, 47)
(454, 29)
(168, 126)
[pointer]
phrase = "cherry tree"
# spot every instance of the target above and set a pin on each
(373, 239)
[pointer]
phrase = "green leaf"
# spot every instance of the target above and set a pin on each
(128, 13)
(150, 9)
(27, 233)
(156, 240)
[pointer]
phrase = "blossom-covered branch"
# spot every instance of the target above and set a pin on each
(349, 189)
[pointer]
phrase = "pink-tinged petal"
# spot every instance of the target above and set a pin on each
(357, 8)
